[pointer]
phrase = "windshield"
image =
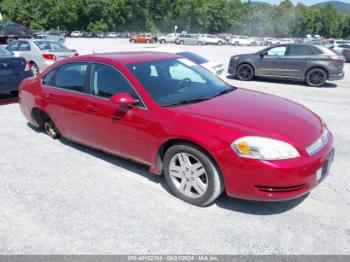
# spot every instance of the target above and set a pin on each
(172, 82)
(50, 45)
(194, 57)
(4, 52)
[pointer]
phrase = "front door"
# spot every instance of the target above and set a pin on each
(270, 62)
(120, 130)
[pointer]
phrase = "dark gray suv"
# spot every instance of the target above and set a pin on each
(312, 64)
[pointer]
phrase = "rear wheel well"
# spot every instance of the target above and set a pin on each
(317, 67)
(164, 147)
(39, 117)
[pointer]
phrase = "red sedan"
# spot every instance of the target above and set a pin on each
(171, 114)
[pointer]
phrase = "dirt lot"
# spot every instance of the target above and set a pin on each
(59, 197)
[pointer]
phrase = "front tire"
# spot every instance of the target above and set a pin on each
(192, 175)
(316, 77)
(245, 72)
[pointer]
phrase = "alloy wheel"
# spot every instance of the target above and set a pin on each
(188, 175)
(317, 78)
(245, 72)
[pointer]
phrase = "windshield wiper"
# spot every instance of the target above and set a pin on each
(228, 90)
(187, 101)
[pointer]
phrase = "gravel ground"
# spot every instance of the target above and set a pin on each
(61, 198)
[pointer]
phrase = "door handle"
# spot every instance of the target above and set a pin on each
(92, 108)
(48, 96)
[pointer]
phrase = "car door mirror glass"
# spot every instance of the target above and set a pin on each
(123, 99)
(263, 54)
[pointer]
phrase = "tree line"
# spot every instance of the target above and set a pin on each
(206, 16)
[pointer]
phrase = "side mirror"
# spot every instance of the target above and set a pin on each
(263, 54)
(123, 99)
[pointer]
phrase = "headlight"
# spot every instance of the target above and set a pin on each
(319, 143)
(235, 57)
(263, 148)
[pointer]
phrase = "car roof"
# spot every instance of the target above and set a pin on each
(125, 57)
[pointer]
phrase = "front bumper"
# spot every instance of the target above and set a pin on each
(232, 68)
(275, 180)
(336, 76)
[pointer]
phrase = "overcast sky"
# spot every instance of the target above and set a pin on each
(306, 2)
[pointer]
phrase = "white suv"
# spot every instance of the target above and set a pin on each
(242, 40)
(169, 38)
(210, 40)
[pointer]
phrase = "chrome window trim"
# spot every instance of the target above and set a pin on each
(144, 107)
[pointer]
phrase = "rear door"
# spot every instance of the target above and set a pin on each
(297, 60)
(65, 91)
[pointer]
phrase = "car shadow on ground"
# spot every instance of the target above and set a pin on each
(284, 81)
(258, 207)
(6, 99)
(234, 204)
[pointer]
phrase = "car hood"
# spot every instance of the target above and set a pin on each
(254, 113)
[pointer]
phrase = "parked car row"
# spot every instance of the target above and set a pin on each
(24, 58)
(50, 35)
(100, 34)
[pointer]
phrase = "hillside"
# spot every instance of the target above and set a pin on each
(341, 7)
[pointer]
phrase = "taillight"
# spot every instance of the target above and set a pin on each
(337, 57)
(28, 67)
(76, 54)
(49, 56)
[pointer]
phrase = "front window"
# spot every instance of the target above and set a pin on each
(172, 82)
(277, 51)
(107, 81)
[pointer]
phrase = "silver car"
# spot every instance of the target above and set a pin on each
(40, 53)
(187, 39)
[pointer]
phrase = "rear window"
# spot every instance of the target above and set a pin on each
(50, 45)
(194, 57)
